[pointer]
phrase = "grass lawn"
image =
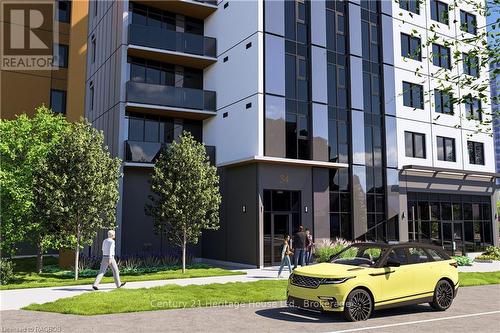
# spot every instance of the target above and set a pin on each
(26, 278)
(172, 296)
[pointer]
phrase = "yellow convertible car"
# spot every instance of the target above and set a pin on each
(370, 276)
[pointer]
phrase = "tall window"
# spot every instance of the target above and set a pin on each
(151, 128)
(476, 152)
(439, 11)
(415, 144)
(61, 55)
(91, 95)
(443, 101)
(93, 48)
(473, 108)
(468, 22)
(63, 11)
(471, 64)
(441, 56)
(410, 5)
(446, 149)
(411, 47)
(413, 95)
(58, 101)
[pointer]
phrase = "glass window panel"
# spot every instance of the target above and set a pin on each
(136, 129)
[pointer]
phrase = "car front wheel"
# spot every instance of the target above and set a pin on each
(358, 305)
(443, 296)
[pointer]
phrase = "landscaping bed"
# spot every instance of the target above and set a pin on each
(24, 275)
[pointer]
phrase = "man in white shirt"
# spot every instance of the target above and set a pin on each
(108, 258)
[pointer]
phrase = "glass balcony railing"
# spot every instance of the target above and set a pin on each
(148, 152)
(187, 98)
(184, 42)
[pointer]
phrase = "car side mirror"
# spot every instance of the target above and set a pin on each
(392, 263)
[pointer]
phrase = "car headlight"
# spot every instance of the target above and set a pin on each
(336, 280)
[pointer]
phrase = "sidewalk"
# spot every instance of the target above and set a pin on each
(18, 298)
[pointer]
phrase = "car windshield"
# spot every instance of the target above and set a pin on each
(362, 255)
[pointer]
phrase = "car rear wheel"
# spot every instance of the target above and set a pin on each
(358, 305)
(443, 296)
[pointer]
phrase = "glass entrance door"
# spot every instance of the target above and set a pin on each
(453, 237)
(281, 226)
(458, 238)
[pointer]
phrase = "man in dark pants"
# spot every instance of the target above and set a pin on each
(299, 247)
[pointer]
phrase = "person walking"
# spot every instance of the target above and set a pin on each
(286, 251)
(299, 241)
(108, 258)
(309, 247)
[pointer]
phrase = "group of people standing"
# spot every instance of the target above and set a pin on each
(302, 249)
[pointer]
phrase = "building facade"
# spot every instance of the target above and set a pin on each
(61, 89)
(312, 112)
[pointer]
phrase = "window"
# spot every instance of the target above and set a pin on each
(413, 95)
(446, 149)
(441, 56)
(410, 47)
(91, 95)
(471, 64)
(439, 11)
(443, 101)
(417, 255)
(468, 22)
(410, 5)
(476, 152)
(58, 101)
(61, 57)
(399, 255)
(63, 11)
(473, 109)
(93, 48)
(415, 144)
(435, 255)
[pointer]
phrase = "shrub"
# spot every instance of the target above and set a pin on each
(327, 249)
(493, 252)
(86, 262)
(51, 269)
(6, 271)
(463, 260)
(486, 257)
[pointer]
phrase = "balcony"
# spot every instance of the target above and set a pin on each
(148, 152)
(175, 101)
(171, 46)
(200, 9)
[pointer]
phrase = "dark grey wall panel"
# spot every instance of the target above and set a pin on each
(359, 201)
(321, 197)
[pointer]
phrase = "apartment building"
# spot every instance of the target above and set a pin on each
(61, 89)
(312, 112)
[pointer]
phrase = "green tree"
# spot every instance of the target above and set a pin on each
(79, 187)
(185, 193)
(24, 145)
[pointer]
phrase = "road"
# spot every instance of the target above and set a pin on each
(476, 309)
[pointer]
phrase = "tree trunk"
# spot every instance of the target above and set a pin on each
(184, 253)
(77, 252)
(39, 257)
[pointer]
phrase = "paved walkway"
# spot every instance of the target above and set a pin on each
(19, 298)
(481, 267)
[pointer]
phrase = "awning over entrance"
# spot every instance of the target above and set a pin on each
(289, 161)
(465, 174)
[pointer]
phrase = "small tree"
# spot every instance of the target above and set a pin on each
(80, 186)
(186, 196)
(24, 145)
